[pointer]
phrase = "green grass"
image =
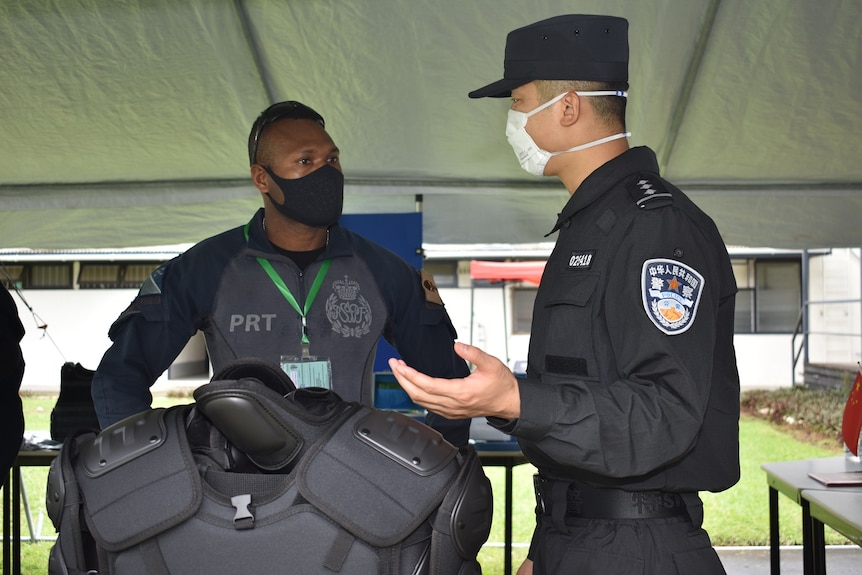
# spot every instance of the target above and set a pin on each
(738, 516)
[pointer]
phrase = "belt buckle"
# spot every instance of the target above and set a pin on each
(537, 489)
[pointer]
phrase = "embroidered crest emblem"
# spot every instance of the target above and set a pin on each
(671, 293)
(347, 310)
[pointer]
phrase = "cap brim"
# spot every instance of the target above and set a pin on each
(499, 89)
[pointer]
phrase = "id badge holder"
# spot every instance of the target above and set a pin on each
(308, 370)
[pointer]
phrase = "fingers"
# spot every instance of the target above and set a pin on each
(425, 390)
(468, 352)
(400, 368)
(407, 377)
(490, 389)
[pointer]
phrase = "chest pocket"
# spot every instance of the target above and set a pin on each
(569, 340)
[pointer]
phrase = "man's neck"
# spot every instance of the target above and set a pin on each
(293, 236)
(574, 168)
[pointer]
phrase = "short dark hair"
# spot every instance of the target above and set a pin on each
(610, 110)
(279, 110)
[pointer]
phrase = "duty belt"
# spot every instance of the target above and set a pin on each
(568, 499)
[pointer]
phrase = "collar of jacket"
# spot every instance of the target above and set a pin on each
(632, 161)
(259, 244)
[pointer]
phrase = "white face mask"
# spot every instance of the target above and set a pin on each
(533, 158)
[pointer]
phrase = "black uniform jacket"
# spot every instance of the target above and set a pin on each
(11, 374)
(632, 378)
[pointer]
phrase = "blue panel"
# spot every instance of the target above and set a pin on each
(400, 233)
(389, 395)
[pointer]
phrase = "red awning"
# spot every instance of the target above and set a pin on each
(502, 271)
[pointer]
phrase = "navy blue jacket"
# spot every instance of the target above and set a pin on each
(219, 287)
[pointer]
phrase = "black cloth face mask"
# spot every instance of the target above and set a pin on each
(315, 199)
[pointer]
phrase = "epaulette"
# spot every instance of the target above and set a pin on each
(153, 284)
(649, 192)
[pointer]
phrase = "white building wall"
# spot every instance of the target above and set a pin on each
(77, 331)
(835, 278)
(764, 361)
(78, 323)
(488, 318)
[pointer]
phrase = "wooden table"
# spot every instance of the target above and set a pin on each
(791, 478)
(12, 525)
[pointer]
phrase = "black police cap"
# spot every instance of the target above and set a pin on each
(571, 47)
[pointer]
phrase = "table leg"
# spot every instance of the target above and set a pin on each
(818, 542)
(7, 535)
(28, 514)
(507, 560)
(774, 549)
(807, 540)
(16, 520)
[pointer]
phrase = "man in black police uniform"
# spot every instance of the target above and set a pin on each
(291, 287)
(630, 404)
(11, 374)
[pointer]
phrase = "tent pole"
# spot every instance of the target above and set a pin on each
(256, 53)
(505, 325)
(806, 308)
(472, 311)
(691, 74)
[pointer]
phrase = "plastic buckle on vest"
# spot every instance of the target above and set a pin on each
(243, 518)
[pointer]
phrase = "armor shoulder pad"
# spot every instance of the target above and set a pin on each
(649, 192)
(123, 441)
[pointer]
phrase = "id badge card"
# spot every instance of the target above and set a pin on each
(311, 371)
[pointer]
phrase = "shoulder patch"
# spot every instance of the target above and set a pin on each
(649, 192)
(153, 284)
(431, 293)
(671, 293)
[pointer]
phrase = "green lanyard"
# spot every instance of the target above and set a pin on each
(312, 293)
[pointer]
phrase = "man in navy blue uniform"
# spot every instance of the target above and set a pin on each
(630, 404)
(290, 287)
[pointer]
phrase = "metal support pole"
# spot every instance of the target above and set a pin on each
(26, 502)
(806, 309)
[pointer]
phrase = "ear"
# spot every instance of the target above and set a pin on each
(260, 178)
(571, 109)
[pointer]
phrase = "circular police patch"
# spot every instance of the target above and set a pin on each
(671, 292)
